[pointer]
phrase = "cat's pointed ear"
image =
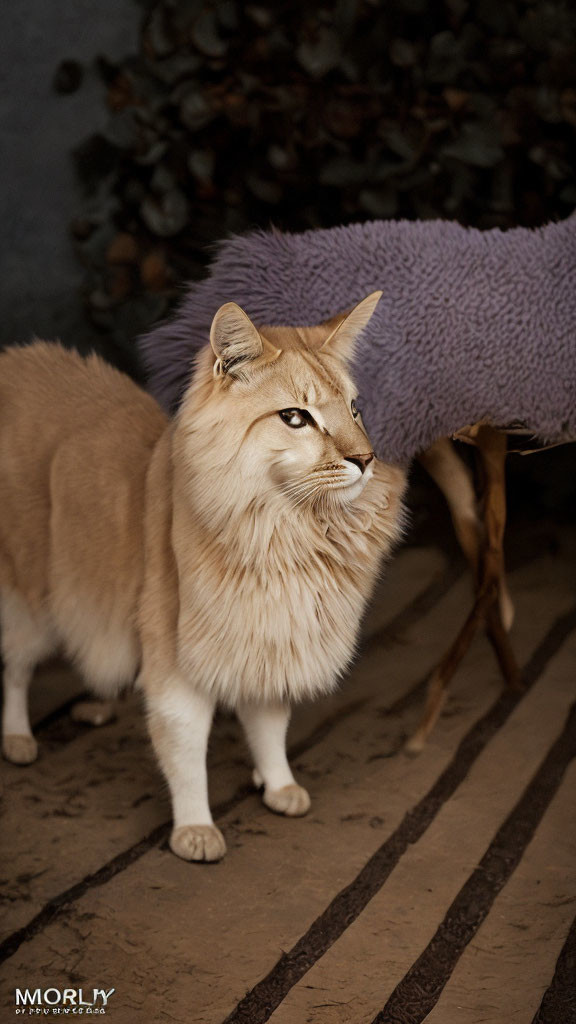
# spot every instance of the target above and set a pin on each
(236, 341)
(342, 339)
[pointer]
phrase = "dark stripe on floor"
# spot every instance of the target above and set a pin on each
(558, 1004)
(259, 1004)
(58, 906)
(420, 989)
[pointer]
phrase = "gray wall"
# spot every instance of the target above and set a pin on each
(39, 274)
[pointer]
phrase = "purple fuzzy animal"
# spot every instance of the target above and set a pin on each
(472, 325)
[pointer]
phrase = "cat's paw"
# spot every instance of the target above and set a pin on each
(198, 842)
(19, 749)
(293, 800)
(93, 712)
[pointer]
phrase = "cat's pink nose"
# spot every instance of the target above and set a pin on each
(360, 460)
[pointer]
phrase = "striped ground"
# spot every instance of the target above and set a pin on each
(440, 888)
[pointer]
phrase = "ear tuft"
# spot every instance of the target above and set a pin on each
(342, 340)
(236, 341)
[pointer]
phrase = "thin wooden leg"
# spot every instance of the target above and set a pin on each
(487, 606)
(500, 640)
(492, 452)
(454, 479)
(451, 474)
(438, 685)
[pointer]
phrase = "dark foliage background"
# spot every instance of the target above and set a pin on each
(234, 115)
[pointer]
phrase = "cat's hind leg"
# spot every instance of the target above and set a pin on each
(179, 721)
(265, 726)
(94, 712)
(27, 638)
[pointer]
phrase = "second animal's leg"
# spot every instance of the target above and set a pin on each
(265, 726)
(26, 640)
(492, 450)
(179, 720)
(437, 691)
(454, 479)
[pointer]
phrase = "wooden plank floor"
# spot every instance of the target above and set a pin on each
(440, 888)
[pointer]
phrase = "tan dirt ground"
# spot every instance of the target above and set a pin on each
(439, 888)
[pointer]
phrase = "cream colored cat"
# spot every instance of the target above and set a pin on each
(222, 558)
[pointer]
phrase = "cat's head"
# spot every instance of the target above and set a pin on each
(272, 410)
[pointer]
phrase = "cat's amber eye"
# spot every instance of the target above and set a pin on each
(355, 409)
(295, 417)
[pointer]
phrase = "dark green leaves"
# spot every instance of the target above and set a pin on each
(235, 115)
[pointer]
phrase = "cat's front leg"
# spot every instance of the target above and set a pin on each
(265, 726)
(18, 743)
(179, 720)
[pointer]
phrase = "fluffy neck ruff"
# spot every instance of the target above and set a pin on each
(271, 595)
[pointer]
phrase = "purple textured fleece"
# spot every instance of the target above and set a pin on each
(472, 325)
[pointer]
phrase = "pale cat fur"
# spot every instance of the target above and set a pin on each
(222, 558)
